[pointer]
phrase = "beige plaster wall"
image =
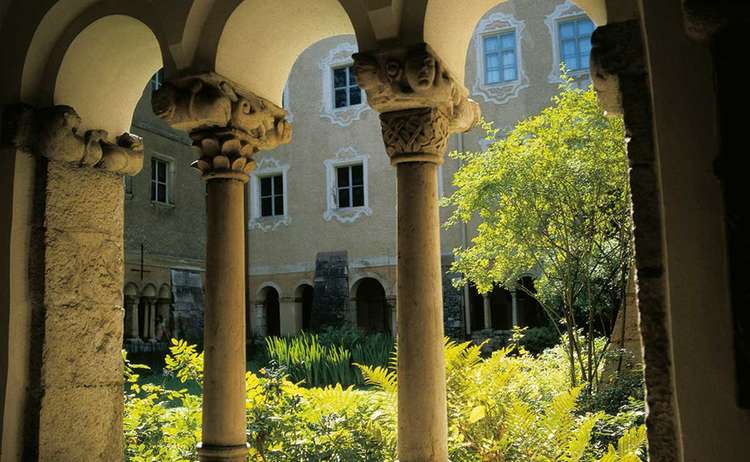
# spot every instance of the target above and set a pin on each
(285, 251)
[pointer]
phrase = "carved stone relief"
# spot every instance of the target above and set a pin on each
(227, 122)
(54, 133)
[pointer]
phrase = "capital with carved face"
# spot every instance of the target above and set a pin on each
(420, 102)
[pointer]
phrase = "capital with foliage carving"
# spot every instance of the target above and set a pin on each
(420, 102)
(55, 133)
(227, 122)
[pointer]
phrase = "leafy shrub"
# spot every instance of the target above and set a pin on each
(510, 408)
(328, 358)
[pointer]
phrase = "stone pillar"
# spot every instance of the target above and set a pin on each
(261, 326)
(621, 81)
(229, 124)
(392, 303)
(164, 312)
(514, 307)
(420, 105)
(77, 319)
(131, 319)
(487, 305)
(290, 312)
(150, 331)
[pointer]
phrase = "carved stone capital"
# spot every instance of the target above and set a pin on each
(415, 135)
(616, 51)
(55, 133)
(420, 102)
(227, 122)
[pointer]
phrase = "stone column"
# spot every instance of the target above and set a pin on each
(392, 303)
(150, 333)
(420, 105)
(514, 307)
(290, 313)
(131, 319)
(621, 80)
(77, 266)
(487, 311)
(261, 326)
(229, 124)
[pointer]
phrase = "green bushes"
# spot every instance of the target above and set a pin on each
(329, 358)
(510, 408)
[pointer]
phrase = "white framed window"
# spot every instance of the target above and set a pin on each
(346, 92)
(570, 30)
(575, 43)
(161, 178)
(500, 53)
(500, 75)
(343, 101)
(269, 204)
(347, 186)
(272, 195)
(350, 186)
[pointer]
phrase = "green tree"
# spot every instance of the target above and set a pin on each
(552, 198)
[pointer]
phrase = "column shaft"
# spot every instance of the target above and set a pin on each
(487, 311)
(131, 314)
(224, 327)
(514, 307)
(422, 422)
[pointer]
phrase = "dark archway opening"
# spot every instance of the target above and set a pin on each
(372, 310)
(273, 313)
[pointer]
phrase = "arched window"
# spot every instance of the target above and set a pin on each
(373, 314)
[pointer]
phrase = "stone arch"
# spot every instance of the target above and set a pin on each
(373, 313)
(303, 301)
(103, 70)
(131, 290)
(448, 27)
(390, 288)
(259, 41)
(269, 310)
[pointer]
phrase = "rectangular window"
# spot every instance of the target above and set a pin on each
(575, 43)
(272, 196)
(346, 92)
(159, 180)
(350, 186)
(500, 60)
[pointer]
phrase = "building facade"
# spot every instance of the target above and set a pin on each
(165, 237)
(323, 208)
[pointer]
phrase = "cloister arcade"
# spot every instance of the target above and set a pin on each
(73, 71)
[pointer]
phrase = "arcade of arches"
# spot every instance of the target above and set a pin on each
(73, 71)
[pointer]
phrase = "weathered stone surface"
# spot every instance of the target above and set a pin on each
(54, 132)
(70, 431)
(83, 268)
(83, 199)
(93, 359)
(331, 296)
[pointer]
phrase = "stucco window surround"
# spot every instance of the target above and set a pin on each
(268, 166)
(170, 180)
(339, 56)
(563, 12)
(499, 93)
(345, 157)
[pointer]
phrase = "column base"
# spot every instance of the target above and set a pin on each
(215, 453)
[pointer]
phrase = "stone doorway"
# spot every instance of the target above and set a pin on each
(373, 314)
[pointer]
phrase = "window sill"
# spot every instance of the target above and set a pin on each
(162, 205)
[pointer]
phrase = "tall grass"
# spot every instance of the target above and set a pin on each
(328, 358)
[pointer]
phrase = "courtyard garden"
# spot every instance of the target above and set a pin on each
(553, 201)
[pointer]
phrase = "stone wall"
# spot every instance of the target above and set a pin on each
(453, 307)
(331, 285)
